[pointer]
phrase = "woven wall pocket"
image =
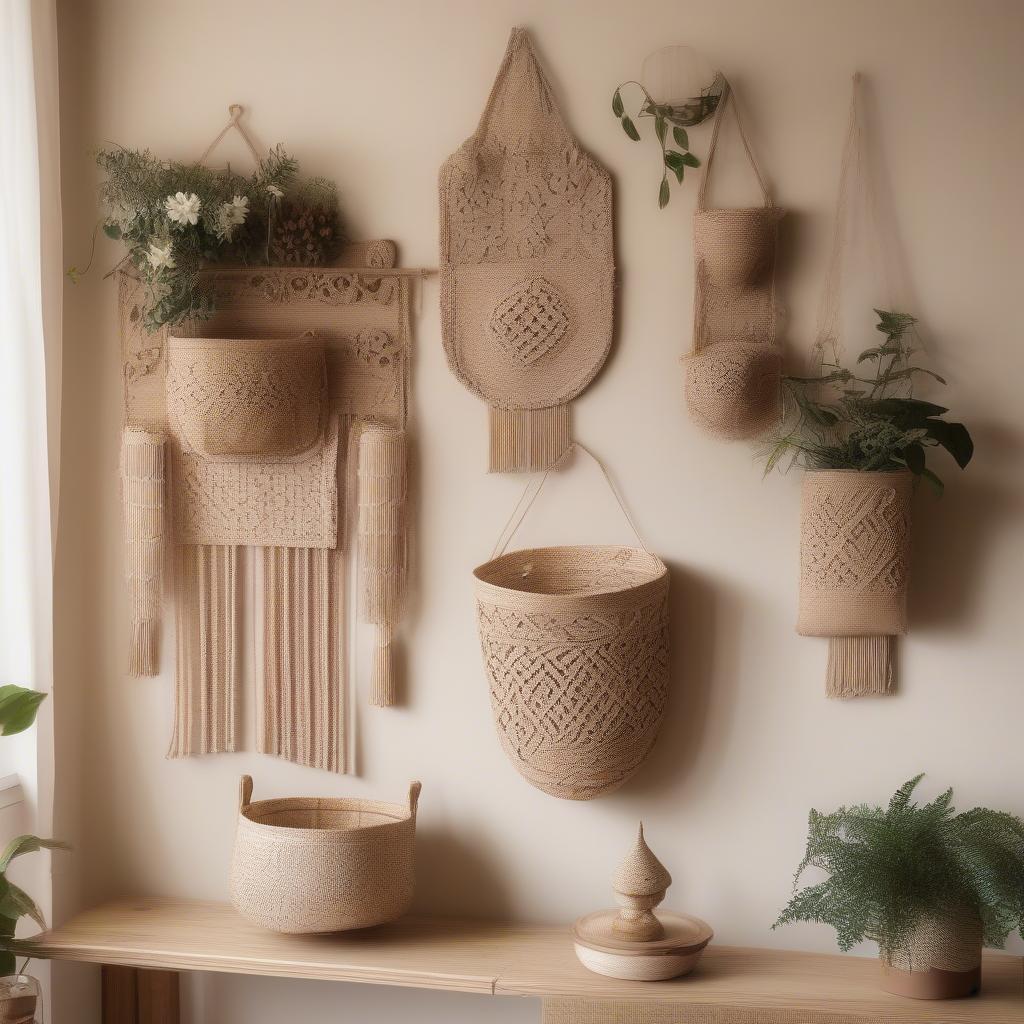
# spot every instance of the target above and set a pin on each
(527, 265)
(316, 864)
(732, 377)
(258, 403)
(575, 644)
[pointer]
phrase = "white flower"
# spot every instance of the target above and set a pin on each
(160, 255)
(275, 191)
(230, 215)
(183, 209)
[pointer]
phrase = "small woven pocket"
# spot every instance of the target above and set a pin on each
(231, 399)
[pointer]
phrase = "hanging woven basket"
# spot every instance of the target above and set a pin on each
(576, 648)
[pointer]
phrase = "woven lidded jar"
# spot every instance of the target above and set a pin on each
(576, 647)
(318, 864)
(854, 552)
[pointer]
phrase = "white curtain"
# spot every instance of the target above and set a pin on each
(30, 290)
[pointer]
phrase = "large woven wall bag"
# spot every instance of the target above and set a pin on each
(575, 643)
(732, 377)
(527, 265)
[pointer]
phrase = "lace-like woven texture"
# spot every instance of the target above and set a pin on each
(576, 648)
(322, 865)
(854, 552)
(527, 262)
(733, 376)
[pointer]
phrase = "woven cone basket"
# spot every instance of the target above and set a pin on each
(315, 864)
(575, 644)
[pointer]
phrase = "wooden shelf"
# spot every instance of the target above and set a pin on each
(500, 959)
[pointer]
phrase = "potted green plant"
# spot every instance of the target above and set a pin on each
(864, 439)
(928, 884)
(19, 992)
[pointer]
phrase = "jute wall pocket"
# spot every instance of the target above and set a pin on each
(854, 557)
(732, 377)
(527, 265)
(575, 644)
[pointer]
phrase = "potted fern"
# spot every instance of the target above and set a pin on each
(928, 884)
(864, 439)
(19, 992)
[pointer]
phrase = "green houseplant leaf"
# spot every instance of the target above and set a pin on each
(18, 708)
(617, 108)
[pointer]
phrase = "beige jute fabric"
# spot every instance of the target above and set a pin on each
(382, 548)
(144, 510)
(649, 1011)
(732, 377)
(854, 560)
(575, 645)
(942, 943)
(316, 864)
(527, 265)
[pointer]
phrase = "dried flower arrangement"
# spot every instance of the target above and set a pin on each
(177, 217)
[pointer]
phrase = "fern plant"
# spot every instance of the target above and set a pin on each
(846, 419)
(889, 869)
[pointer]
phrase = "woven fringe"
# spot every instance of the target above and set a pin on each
(142, 500)
(646, 1011)
(206, 675)
(860, 666)
(303, 713)
(382, 547)
(525, 440)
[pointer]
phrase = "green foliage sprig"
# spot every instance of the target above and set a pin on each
(679, 118)
(177, 217)
(842, 420)
(890, 869)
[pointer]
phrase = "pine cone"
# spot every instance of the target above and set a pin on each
(304, 235)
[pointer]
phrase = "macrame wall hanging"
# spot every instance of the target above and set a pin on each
(732, 377)
(575, 644)
(854, 524)
(257, 405)
(527, 265)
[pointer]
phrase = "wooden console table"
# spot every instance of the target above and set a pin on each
(143, 943)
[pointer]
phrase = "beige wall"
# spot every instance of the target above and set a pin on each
(375, 95)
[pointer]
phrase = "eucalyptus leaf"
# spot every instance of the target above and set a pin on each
(660, 128)
(630, 129)
(664, 194)
(690, 160)
(617, 108)
(682, 139)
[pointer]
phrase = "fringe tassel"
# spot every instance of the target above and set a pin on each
(303, 712)
(525, 440)
(142, 501)
(860, 666)
(382, 547)
(206, 675)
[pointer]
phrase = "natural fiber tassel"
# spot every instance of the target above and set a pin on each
(382, 550)
(860, 666)
(525, 440)
(142, 499)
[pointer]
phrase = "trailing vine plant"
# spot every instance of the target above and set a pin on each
(664, 116)
(851, 419)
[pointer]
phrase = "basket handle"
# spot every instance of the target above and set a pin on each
(414, 797)
(244, 792)
(523, 506)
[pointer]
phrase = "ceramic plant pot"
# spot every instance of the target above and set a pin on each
(941, 960)
(19, 997)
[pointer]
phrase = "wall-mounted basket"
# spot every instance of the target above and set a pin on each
(576, 648)
(316, 864)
